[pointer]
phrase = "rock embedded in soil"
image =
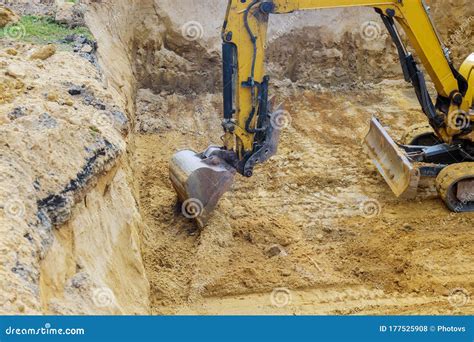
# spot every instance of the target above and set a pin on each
(53, 96)
(87, 48)
(7, 16)
(17, 112)
(276, 250)
(44, 52)
(408, 227)
(174, 260)
(70, 14)
(15, 71)
(75, 90)
(11, 52)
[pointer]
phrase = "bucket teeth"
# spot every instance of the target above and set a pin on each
(199, 182)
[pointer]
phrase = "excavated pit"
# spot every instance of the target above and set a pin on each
(349, 245)
(344, 243)
(315, 231)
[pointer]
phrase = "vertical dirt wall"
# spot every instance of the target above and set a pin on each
(172, 48)
(94, 265)
(69, 220)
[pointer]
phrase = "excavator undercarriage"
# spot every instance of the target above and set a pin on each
(403, 166)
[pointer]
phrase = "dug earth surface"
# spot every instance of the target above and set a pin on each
(348, 245)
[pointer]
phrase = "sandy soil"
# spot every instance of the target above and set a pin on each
(68, 223)
(349, 246)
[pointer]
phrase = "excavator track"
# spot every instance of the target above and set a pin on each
(420, 134)
(449, 182)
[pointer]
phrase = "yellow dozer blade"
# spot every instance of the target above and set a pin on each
(391, 161)
(200, 180)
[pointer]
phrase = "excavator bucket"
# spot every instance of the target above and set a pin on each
(391, 161)
(200, 181)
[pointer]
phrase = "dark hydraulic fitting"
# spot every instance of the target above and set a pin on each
(267, 7)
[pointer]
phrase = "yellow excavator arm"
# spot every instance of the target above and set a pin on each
(244, 35)
(251, 124)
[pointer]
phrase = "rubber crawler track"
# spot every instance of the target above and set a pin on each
(415, 132)
(446, 182)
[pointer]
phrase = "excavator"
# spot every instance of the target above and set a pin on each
(443, 148)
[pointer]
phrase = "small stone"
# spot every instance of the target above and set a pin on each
(69, 102)
(18, 112)
(90, 100)
(44, 52)
(81, 39)
(53, 96)
(11, 51)
(407, 227)
(275, 250)
(75, 90)
(7, 16)
(21, 307)
(64, 13)
(69, 38)
(87, 49)
(15, 71)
